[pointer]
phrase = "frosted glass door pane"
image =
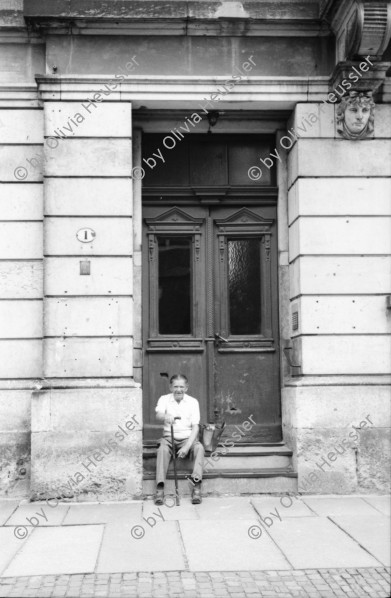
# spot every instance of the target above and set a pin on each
(174, 285)
(244, 287)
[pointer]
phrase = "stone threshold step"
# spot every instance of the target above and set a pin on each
(231, 473)
(249, 450)
(150, 444)
(152, 454)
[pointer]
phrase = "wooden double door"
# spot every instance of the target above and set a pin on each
(210, 311)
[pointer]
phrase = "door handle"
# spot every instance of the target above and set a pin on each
(219, 338)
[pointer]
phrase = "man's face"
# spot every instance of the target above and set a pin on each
(178, 389)
(356, 118)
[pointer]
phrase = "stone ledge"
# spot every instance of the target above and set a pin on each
(174, 10)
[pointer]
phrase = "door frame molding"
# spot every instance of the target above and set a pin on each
(246, 124)
(173, 222)
(248, 223)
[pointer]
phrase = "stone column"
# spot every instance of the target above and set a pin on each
(137, 259)
(86, 420)
(21, 148)
(337, 414)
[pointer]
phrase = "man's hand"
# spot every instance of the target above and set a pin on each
(169, 419)
(184, 450)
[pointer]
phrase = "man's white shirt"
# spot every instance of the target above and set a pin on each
(187, 409)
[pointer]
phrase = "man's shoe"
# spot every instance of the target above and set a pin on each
(159, 497)
(196, 496)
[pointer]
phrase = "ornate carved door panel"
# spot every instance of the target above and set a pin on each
(173, 305)
(245, 358)
(210, 312)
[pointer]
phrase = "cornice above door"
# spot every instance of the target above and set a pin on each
(176, 17)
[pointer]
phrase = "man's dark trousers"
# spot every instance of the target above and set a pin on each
(164, 454)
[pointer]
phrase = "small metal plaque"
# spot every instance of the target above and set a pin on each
(85, 235)
(295, 320)
(85, 267)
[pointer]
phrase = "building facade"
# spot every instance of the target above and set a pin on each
(200, 187)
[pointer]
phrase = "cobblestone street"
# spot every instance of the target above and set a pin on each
(322, 583)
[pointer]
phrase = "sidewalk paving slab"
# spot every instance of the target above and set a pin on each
(158, 549)
(316, 542)
(226, 508)
(209, 539)
(7, 507)
(371, 532)
(84, 514)
(335, 505)
(54, 514)
(170, 511)
(382, 503)
(226, 546)
(286, 506)
(9, 545)
(56, 551)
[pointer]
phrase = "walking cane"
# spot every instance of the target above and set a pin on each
(177, 502)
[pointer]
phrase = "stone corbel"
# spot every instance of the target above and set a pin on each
(370, 29)
(361, 81)
(362, 29)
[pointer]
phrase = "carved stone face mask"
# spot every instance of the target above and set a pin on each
(356, 118)
(355, 115)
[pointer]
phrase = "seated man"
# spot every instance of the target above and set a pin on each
(179, 404)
